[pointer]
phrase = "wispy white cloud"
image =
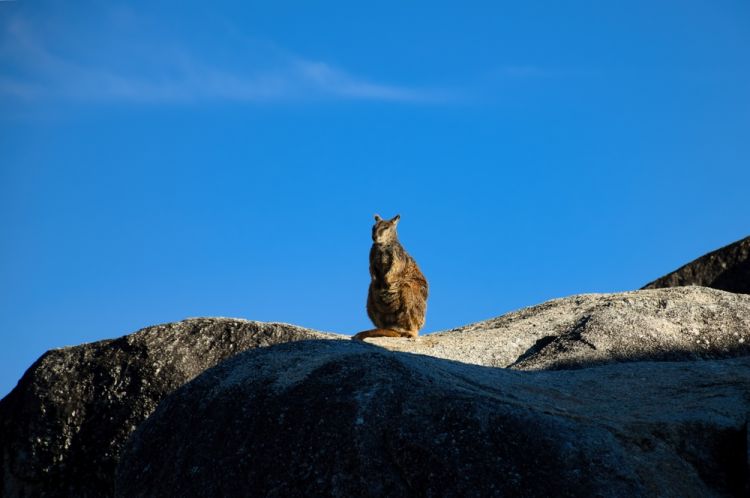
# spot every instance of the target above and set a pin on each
(521, 72)
(174, 75)
(337, 82)
(18, 89)
(524, 72)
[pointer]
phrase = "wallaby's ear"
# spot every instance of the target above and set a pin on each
(378, 218)
(395, 219)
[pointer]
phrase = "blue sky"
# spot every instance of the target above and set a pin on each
(166, 160)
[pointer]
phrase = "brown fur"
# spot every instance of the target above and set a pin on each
(397, 298)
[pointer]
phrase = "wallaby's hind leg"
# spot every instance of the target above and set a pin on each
(380, 333)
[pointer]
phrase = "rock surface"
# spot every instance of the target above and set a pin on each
(333, 418)
(63, 427)
(727, 269)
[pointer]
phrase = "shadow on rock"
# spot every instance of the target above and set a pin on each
(63, 427)
(349, 419)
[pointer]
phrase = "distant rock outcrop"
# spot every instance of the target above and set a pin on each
(727, 269)
(63, 427)
(685, 323)
(341, 419)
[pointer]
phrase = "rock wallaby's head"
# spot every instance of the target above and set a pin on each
(384, 231)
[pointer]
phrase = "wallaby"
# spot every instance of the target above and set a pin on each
(397, 298)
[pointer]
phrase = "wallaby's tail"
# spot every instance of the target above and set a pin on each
(379, 333)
